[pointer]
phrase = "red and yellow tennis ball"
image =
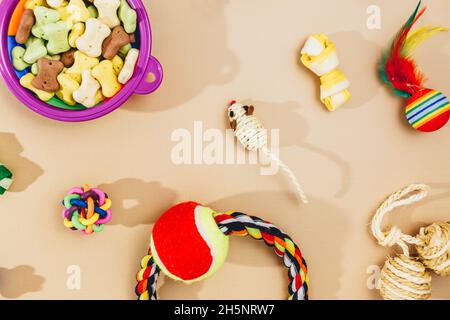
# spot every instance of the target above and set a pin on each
(187, 244)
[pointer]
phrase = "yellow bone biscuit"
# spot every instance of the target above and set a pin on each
(117, 64)
(75, 33)
(31, 4)
(87, 93)
(104, 73)
(82, 62)
(76, 12)
(26, 80)
(91, 41)
(68, 86)
(56, 3)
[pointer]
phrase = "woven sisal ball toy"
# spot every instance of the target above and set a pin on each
(250, 132)
(86, 209)
(319, 55)
(427, 110)
(6, 179)
(407, 277)
(189, 243)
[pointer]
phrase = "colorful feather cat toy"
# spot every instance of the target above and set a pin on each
(427, 110)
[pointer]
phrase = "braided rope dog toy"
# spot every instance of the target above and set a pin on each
(319, 55)
(427, 110)
(6, 179)
(406, 277)
(86, 209)
(190, 230)
(250, 132)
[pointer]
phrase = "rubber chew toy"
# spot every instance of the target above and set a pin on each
(408, 277)
(6, 179)
(86, 209)
(427, 110)
(319, 55)
(250, 132)
(189, 243)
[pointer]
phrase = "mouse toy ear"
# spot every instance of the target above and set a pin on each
(427, 110)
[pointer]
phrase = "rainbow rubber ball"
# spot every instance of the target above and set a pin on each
(86, 209)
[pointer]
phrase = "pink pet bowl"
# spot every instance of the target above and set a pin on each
(147, 69)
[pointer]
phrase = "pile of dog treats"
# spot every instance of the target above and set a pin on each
(80, 51)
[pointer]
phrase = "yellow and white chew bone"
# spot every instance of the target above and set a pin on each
(319, 55)
(82, 62)
(91, 41)
(26, 80)
(68, 87)
(88, 92)
(128, 68)
(107, 12)
(253, 136)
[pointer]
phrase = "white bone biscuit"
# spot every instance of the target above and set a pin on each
(88, 91)
(91, 41)
(107, 12)
(128, 68)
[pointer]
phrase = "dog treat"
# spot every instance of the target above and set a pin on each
(46, 78)
(86, 209)
(319, 55)
(107, 12)
(43, 17)
(75, 33)
(91, 41)
(117, 62)
(26, 80)
(128, 68)
(88, 92)
(77, 50)
(76, 12)
(67, 87)
(104, 73)
(116, 40)
(56, 3)
(35, 50)
(57, 35)
(68, 58)
(17, 54)
(26, 24)
(31, 4)
(82, 62)
(128, 17)
(190, 230)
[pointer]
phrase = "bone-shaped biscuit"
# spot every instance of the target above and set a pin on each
(26, 80)
(76, 11)
(31, 4)
(35, 50)
(107, 12)
(91, 41)
(67, 87)
(117, 62)
(17, 54)
(88, 92)
(128, 16)
(68, 58)
(128, 68)
(43, 17)
(48, 71)
(26, 24)
(104, 73)
(116, 40)
(56, 3)
(57, 35)
(82, 62)
(75, 33)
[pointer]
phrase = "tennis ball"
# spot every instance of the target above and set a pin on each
(187, 244)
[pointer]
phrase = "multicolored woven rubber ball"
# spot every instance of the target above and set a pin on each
(86, 209)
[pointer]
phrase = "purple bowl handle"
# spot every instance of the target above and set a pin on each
(155, 68)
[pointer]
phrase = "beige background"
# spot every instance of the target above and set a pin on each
(212, 51)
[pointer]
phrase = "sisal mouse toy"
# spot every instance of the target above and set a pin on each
(250, 132)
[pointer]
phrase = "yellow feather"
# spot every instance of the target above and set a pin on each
(419, 36)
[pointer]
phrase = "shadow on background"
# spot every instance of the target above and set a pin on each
(19, 281)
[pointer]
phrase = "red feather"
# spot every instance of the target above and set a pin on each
(402, 71)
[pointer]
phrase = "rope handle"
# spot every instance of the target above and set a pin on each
(236, 223)
(394, 235)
